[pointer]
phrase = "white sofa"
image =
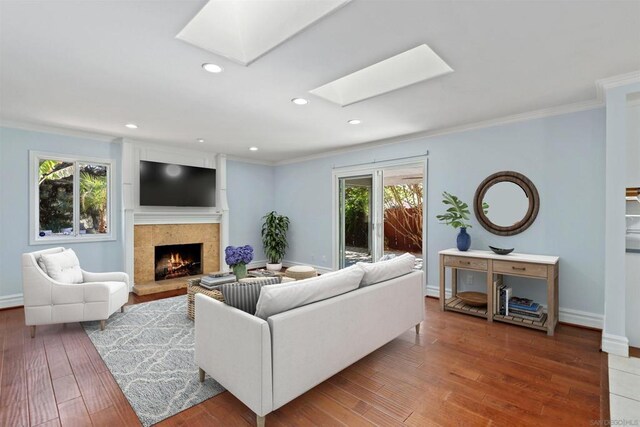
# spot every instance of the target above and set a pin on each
(47, 301)
(267, 363)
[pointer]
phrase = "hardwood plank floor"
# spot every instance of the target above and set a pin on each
(460, 370)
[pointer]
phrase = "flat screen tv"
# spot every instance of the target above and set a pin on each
(165, 184)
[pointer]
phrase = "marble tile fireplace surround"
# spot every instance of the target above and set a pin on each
(148, 237)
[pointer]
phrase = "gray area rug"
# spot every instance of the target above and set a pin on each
(149, 350)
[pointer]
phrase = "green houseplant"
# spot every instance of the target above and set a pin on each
(457, 216)
(274, 239)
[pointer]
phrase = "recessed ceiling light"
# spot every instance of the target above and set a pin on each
(131, 126)
(253, 148)
(299, 101)
(212, 68)
(200, 140)
(354, 122)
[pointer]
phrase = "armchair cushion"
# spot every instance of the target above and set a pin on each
(63, 266)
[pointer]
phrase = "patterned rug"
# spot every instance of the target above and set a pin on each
(149, 350)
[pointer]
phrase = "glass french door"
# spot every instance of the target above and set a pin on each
(381, 214)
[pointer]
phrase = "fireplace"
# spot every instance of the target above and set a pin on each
(172, 261)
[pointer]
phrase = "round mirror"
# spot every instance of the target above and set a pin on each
(506, 203)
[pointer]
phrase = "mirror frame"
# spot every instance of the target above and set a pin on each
(521, 181)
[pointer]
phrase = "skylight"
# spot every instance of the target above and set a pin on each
(407, 68)
(244, 30)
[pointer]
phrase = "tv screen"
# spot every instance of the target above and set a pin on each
(164, 184)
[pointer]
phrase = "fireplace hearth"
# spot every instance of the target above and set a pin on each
(173, 261)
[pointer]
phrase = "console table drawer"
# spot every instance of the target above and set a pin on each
(465, 262)
(520, 268)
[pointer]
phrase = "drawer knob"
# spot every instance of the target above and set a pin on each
(519, 268)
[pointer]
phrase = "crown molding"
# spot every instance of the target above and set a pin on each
(603, 85)
(58, 130)
(531, 115)
(252, 161)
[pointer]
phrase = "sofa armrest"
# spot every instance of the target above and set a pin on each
(115, 276)
(234, 348)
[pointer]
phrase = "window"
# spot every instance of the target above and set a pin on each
(71, 199)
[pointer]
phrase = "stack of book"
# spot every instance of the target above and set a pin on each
(212, 281)
(503, 295)
(525, 308)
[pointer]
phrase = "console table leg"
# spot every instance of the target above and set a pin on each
(490, 292)
(442, 282)
(551, 300)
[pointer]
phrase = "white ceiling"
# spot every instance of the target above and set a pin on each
(96, 65)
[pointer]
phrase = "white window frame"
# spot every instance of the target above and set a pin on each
(34, 190)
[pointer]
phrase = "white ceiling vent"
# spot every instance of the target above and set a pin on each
(407, 68)
(244, 30)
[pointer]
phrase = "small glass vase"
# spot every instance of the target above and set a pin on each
(464, 240)
(240, 270)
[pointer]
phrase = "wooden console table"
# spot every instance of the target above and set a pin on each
(522, 265)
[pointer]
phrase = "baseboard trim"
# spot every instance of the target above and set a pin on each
(320, 269)
(567, 315)
(261, 263)
(615, 344)
(10, 301)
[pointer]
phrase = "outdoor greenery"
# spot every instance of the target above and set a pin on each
(274, 236)
(458, 212)
(402, 213)
(55, 184)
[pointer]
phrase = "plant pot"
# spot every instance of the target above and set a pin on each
(240, 271)
(274, 267)
(463, 240)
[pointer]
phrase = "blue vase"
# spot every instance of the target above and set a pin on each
(463, 240)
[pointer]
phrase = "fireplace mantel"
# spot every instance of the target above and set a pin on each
(147, 218)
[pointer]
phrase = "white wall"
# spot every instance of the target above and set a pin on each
(562, 155)
(14, 208)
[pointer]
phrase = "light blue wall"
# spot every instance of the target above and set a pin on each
(250, 193)
(562, 155)
(14, 196)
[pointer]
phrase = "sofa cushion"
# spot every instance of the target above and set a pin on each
(63, 266)
(275, 299)
(386, 270)
(244, 295)
(41, 264)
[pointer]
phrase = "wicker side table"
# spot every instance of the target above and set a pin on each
(194, 288)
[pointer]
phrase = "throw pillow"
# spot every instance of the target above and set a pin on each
(287, 296)
(386, 270)
(63, 266)
(41, 264)
(244, 296)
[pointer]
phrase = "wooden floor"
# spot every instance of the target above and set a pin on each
(460, 370)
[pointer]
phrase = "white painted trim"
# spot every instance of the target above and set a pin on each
(319, 269)
(605, 84)
(241, 159)
(57, 130)
(34, 199)
(14, 300)
(581, 318)
(615, 344)
(145, 218)
(537, 114)
(260, 263)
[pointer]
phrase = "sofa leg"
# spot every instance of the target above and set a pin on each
(122, 309)
(102, 322)
(201, 373)
(418, 329)
(33, 331)
(259, 421)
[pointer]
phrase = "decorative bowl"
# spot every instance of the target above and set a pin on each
(501, 251)
(474, 299)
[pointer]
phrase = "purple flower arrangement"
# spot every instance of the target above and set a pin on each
(238, 255)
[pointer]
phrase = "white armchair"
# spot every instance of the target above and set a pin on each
(47, 301)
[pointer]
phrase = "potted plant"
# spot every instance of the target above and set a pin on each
(274, 239)
(457, 216)
(237, 258)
